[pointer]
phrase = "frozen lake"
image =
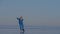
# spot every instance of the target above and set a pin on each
(30, 30)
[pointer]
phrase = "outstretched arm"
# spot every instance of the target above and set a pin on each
(17, 18)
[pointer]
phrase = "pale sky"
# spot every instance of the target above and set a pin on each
(34, 12)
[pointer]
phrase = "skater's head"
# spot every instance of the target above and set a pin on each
(21, 17)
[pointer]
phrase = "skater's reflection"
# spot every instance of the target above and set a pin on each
(21, 32)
